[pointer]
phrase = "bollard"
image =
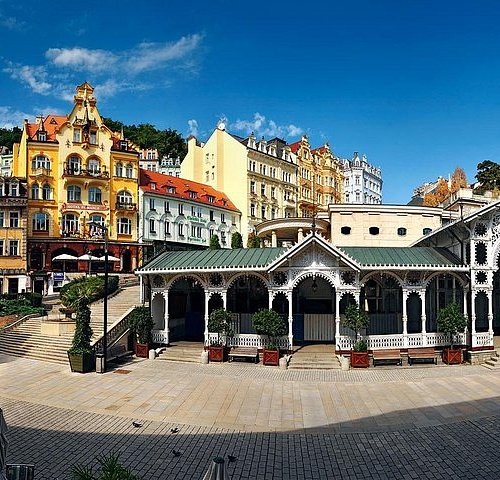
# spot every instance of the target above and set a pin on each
(204, 357)
(152, 354)
(283, 363)
(216, 471)
(99, 363)
(344, 363)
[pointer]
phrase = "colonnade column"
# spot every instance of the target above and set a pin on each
(274, 239)
(405, 318)
(289, 296)
(166, 329)
(423, 317)
(207, 298)
(141, 289)
(490, 312)
(337, 319)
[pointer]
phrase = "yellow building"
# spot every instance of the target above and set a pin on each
(13, 215)
(78, 171)
(258, 176)
(319, 177)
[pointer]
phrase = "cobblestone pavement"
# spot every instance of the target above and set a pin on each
(433, 422)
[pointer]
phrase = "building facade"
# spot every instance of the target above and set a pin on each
(362, 181)
(319, 178)
(6, 164)
(149, 159)
(179, 214)
(258, 176)
(13, 235)
(80, 174)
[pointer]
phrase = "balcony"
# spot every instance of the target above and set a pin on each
(41, 172)
(131, 207)
(70, 171)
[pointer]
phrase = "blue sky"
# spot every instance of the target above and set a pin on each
(413, 84)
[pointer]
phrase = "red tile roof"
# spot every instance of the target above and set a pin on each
(295, 146)
(182, 189)
(51, 123)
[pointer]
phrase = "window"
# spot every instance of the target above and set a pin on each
(252, 186)
(167, 206)
(181, 209)
(193, 211)
(74, 193)
(95, 195)
(401, 231)
(273, 192)
(93, 137)
(263, 189)
(167, 228)
(77, 135)
(35, 191)
(40, 161)
(273, 213)
(2, 219)
(181, 229)
(74, 165)
(152, 204)
(119, 170)
(252, 209)
(222, 218)
(263, 213)
(374, 230)
(212, 218)
(124, 226)
(14, 219)
(70, 224)
(426, 231)
(14, 189)
(152, 226)
(129, 171)
(356, 181)
(14, 248)
(345, 230)
(93, 230)
(211, 198)
(46, 192)
(93, 166)
(1, 247)
(124, 197)
(223, 237)
(42, 136)
(171, 189)
(40, 222)
(193, 194)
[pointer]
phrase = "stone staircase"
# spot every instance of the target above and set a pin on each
(25, 339)
(182, 352)
(318, 357)
(494, 362)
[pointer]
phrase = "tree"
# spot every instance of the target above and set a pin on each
(430, 200)
(9, 136)
(438, 196)
(356, 319)
(236, 240)
(214, 243)
(488, 175)
(269, 323)
(219, 322)
(451, 320)
(253, 240)
(458, 179)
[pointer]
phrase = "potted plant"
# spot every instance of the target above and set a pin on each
(219, 322)
(357, 319)
(81, 353)
(110, 468)
(141, 324)
(451, 321)
(269, 323)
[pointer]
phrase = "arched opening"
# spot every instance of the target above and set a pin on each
(215, 302)
(382, 298)
(314, 310)
(441, 291)
(414, 313)
(186, 309)
(158, 311)
(67, 265)
(246, 295)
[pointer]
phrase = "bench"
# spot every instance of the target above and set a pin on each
(425, 353)
(244, 352)
(118, 352)
(387, 356)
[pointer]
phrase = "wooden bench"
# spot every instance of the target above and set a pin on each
(387, 356)
(425, 353)
(244, 352)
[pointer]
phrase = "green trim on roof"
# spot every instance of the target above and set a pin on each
(402, 256)
(214, 259)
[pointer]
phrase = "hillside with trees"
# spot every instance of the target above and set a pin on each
(9, 136)
(444, 189)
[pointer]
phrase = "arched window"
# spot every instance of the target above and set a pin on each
(46, 192)
(40, 161)
(93, 166)
(35, 191)
(70, 224)
(374, 230)
(129, 170)
(96, 220)
(124, 197)
(41, 222)
(124, 226)
(95, 195)
(74, 165)
(119, 170)
(345, 230)
(74, 193)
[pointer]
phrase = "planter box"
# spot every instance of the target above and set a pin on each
(359, 360)
(271, 357)
(81, 362)
(142, 350)
(452, 356)
(216, 354)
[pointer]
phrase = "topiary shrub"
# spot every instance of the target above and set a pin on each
(356, 319)
(219, 322)
(141, 323)
(452, 321)
(271, 324)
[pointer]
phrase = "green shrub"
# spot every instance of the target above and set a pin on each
(19, 307)
(141, 323)
(269, 323)
(95, 285)
(219, 322)
(360, 346)
(355, 319)
(110, 469)
(451, 320)
(83, 330)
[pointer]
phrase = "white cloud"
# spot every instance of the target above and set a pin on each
(34, 76)
(193, 127)
(14, 118)
(11, 23)
(268, 128)
(81, 58)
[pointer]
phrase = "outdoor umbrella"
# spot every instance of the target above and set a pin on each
(63, 257)
(110, 259)
(89, 258)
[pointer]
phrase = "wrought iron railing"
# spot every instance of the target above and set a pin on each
(114, 333)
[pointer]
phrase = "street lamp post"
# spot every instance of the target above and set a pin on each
(104, 229)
